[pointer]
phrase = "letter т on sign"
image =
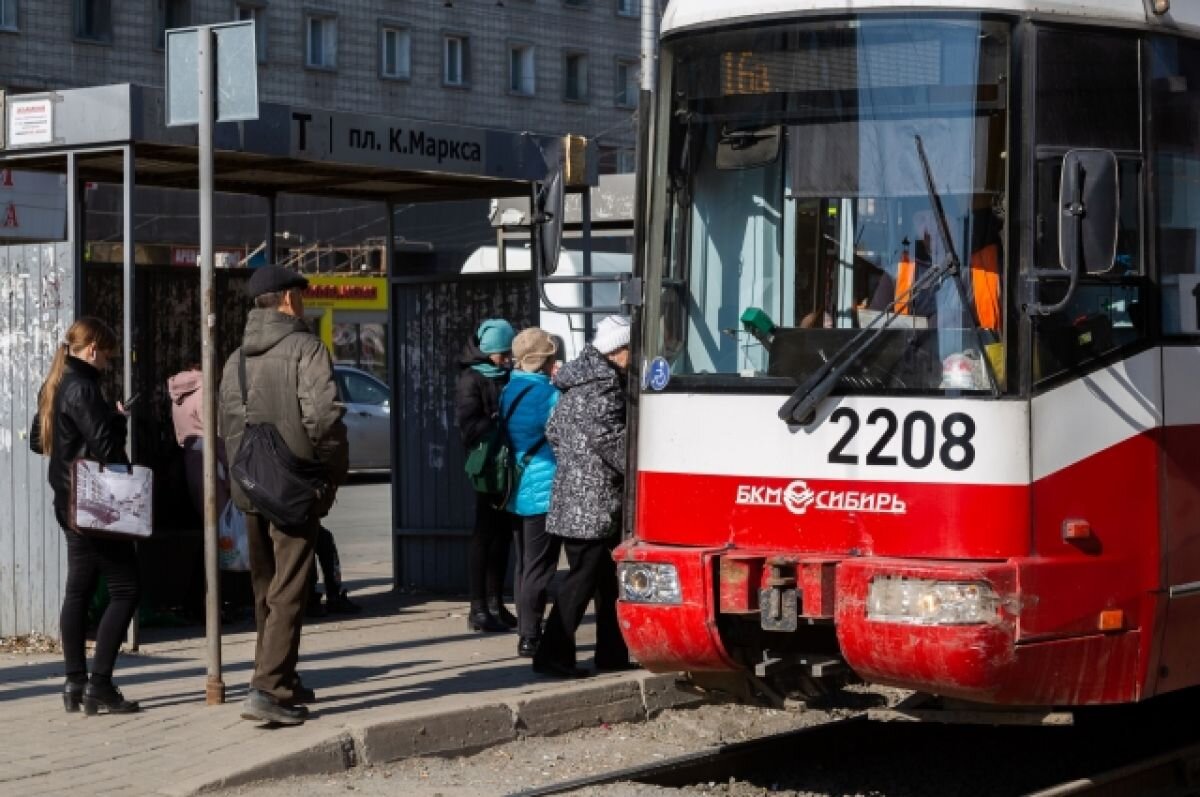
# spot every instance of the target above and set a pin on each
(236, 70)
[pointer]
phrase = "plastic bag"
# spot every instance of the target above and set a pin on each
(233, 549)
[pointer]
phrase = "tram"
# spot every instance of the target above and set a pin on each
(920, 345)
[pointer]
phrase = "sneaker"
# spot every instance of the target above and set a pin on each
(314, 607)
(261, 707)
(301, 693)
(341, 604)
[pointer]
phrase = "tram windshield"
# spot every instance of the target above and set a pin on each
(797, 210)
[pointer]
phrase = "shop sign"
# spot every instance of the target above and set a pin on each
(190, 256)
(33, 206)
(347, 293)
(30, 122)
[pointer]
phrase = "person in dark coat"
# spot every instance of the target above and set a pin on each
(587, 432)
(289, 383)
(530, 397)
(485, 363)
(74, 420)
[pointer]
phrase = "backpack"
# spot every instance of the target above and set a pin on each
(492, 466)
(282, 487)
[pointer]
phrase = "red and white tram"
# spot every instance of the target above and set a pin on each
(921, 334)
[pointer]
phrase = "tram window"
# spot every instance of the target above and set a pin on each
(1175, 107)
(1087, 93)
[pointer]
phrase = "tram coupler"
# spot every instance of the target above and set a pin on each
(779, 601)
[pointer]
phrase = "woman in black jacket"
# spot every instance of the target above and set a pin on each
(485, 364)
(75, 421)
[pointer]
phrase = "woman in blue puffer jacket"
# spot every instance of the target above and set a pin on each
(526, 402)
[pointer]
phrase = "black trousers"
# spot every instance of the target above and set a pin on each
(88, 558)
(281, 561)
(539, 561)
(331, 566)
(593, 574)
(488, 549)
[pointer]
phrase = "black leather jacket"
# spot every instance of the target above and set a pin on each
(85, 425)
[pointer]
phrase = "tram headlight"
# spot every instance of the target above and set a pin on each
(894, 599)
(646, 582)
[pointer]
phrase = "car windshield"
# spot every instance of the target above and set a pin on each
(798, 211)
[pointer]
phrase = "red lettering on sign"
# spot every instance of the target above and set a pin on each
(361, 292)
(10, 217)
(6, 180)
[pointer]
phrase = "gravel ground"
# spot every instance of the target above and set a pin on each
(28, 645)
(538, 761)
(890, 760)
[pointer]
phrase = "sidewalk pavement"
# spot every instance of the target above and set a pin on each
(405, 678)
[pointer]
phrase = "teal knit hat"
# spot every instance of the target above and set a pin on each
(495, 336)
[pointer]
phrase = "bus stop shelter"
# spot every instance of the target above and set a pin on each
(116, 135)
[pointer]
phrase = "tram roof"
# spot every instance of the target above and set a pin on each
(1184, 15)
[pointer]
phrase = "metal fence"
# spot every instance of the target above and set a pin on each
(433, 506)
(37, 304)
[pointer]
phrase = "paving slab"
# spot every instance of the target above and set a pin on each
(405, 678)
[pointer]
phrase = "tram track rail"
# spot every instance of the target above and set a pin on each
(840, 745)
(717, 763)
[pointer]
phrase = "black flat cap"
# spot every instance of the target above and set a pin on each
(272, 279)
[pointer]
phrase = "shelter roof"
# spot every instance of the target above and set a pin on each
(289, 149)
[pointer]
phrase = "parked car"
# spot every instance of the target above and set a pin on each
(368, 417)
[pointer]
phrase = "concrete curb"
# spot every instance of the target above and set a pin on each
(462, 731)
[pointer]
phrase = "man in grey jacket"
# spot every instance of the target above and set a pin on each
(289, 378)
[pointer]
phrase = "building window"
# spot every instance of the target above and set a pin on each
(320, 41)
(628, 8)
(395, 52)
(520, 70)
(8, 14)
(626, 88)
(575, 77)
(258, 15)
(171, 14)
(575, 3)
(93, 20)
(455, 60)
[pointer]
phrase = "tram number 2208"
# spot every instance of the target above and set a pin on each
(921, 439)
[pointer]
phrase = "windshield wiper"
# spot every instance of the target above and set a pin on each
(801, 405)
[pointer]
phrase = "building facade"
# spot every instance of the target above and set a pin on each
(549, 66)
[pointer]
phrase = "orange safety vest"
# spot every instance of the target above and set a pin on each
(906, 273)
(985, 285)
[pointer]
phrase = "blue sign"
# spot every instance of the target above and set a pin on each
(660, 373)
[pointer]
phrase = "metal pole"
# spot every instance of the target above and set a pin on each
(214, 688)
(585, 214)
(269, 254)
(127, 354)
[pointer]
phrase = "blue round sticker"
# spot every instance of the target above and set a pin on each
(660, 373)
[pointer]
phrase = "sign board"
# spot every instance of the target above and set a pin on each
(33, 206)
(347, 293)
(236, 74)
(190, 256)
(387, 143)
(29, 121)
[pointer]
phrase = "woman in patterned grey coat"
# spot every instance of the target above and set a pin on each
(587, 433)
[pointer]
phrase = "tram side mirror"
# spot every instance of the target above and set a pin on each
(549, 202)
(749, 147)
(1089, 205)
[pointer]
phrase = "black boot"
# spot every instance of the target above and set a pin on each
(480, 619)
(73, 694)
(528, 646)
(501, 612)
(102, 693)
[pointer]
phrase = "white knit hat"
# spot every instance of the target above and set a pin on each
(611, 334)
